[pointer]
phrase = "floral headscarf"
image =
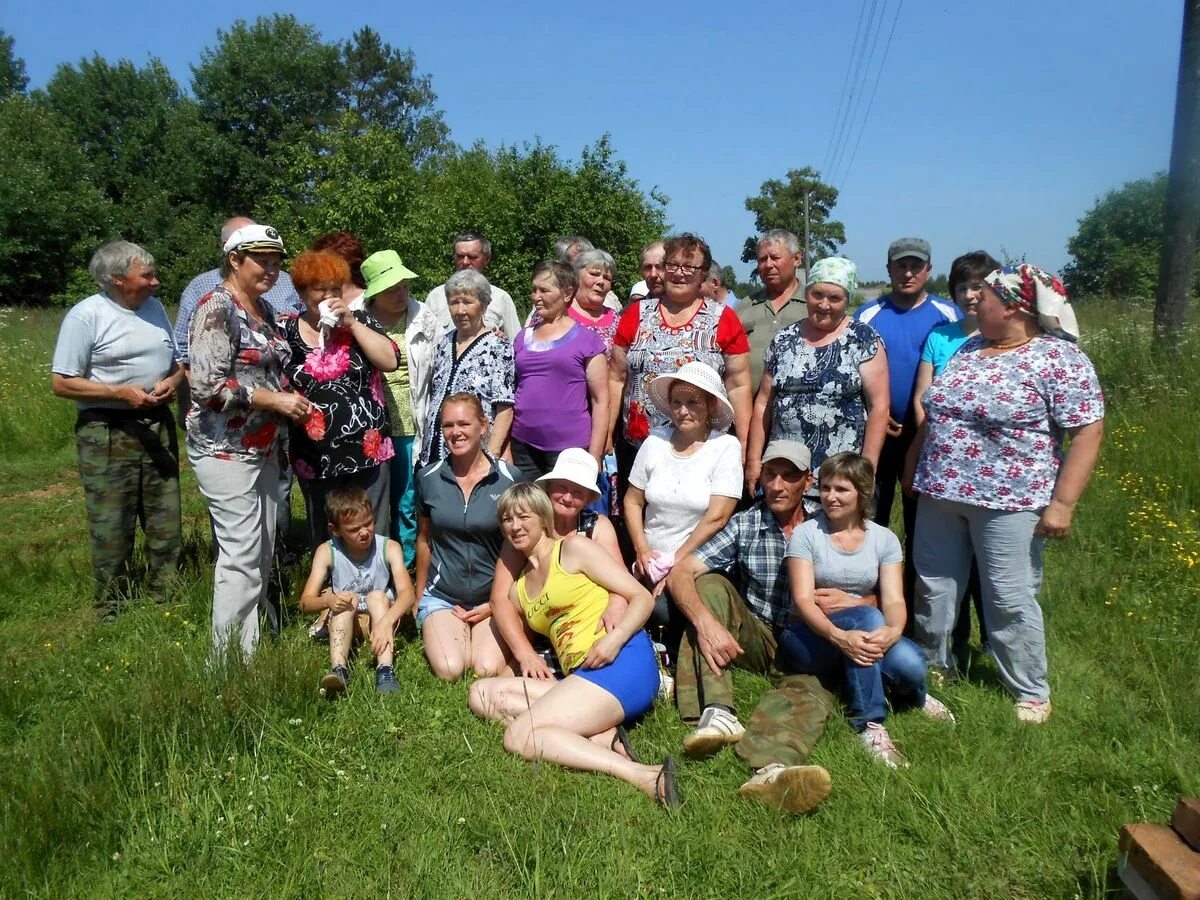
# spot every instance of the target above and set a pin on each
(834, 270)
(1037, 293)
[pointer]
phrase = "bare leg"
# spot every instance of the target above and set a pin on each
(447, 644)
(489, 655)
(559, 726)
(341, 637)
(377, 607)
(503, 698)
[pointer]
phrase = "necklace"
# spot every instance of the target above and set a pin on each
(1013, 345)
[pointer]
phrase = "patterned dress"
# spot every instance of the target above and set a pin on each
(484, 368)
(348, 430)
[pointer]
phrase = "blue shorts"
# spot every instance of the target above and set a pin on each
(429, 604)
(632, 677)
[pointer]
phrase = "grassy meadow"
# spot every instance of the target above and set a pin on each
(126, 770)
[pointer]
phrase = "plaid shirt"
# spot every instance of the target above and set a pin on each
(750, 549)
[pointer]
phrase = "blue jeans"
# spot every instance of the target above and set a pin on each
(901, 671)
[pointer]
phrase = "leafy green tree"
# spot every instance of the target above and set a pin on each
(781, 205)
(1116, 250)
(13, 79)
(52, 215)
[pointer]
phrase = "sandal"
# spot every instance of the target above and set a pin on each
(622, 738)
(666, 789)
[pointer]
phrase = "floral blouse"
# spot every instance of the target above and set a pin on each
(232, 356)
(485, 369)
(348, 428)
(818, 391)
(995, 424)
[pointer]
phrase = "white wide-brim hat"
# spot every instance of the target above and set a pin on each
(700, 375)
(577, 466)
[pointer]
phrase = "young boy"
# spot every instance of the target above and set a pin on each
(354, 572)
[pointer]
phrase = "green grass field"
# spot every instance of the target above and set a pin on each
(125, 770)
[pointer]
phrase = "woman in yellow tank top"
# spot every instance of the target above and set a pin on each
(562, 592)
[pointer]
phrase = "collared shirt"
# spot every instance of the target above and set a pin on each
(282, 298)
(762, 323)
(750, 549)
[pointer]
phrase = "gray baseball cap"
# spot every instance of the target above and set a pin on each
(909, 246)
(793, 451)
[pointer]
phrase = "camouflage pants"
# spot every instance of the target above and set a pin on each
(789, 719)
(130, 471)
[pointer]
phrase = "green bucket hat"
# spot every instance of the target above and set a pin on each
(383, 270)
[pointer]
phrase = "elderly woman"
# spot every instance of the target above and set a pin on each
(825, 379)
(992, 477)
(561, 378)
(474, 359)
(844, 550)
(347, 245)
(237, 428)
(612, 675)
(336, 358)
(415, 331)
(594, 270)
(687, 477)
(115, 358)
(659, 335)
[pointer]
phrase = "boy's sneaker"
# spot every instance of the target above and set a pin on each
(1033, 712)
(793, 789)
(333, 683)
(385, 680)
(319, 629)
(666, 685)
(936, 709)
(717, 728)
(876, 739)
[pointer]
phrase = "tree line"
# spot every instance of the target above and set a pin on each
(308, 135)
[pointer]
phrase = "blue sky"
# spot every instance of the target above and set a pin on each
(988, 130)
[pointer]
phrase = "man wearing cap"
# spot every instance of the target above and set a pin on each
(903, 319)
(779, 302)
(473, 251)
(415, 331)
(734, 593)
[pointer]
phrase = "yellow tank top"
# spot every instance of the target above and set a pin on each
(566, 611)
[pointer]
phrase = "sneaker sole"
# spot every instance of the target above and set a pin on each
(796, 790)
(332, 687)
(703, 745)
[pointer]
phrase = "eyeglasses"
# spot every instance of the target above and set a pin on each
(687, 271)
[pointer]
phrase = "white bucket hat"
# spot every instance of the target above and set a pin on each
(699, 375)
(577, 466)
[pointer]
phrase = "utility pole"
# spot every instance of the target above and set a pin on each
(807, 241)
(1181, 215)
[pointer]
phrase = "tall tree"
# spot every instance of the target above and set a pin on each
(382, 89)
(780, 204)
(13, 79)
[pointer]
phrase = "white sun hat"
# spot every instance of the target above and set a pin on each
(700, 375)
(577, 466)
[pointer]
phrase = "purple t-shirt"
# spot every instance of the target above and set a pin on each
(551, 409)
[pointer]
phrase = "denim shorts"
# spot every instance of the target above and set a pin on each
(429, 604)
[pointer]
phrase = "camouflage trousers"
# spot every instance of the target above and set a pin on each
(789, 719)
(129, 465)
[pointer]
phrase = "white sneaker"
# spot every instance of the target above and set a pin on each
(666, 685)
(1033, 712)
(716, 729)
(793, 789)
(877, 740)
(936, 709)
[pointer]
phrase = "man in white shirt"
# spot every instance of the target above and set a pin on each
(473, 251)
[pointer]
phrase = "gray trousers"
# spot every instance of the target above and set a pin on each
(1010, 574)
(243, 500)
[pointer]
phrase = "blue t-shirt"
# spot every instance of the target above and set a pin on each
(943, 342)
(904, 332)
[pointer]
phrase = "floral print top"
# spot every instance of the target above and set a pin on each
(485, 369)
(995, 425)
(348, 428)
(818, 391)
(231, 356)
(653, 348)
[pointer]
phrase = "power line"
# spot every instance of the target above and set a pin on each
(862, 66)
(883, 62)
(850, 57)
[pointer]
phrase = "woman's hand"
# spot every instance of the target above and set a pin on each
(477, 614)
(342, 310)
(1056, 520)
(641, 566)
(857, 646)
(883, 638)
(291, 406)
(613, 613)
(533, 666)
(603, 652)
(753, 471)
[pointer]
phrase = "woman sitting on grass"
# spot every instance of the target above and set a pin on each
(612, 676)
(357, 571)
(842, 548)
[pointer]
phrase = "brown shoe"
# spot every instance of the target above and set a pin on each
(792, 789)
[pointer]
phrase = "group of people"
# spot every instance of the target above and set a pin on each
(538, 495)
